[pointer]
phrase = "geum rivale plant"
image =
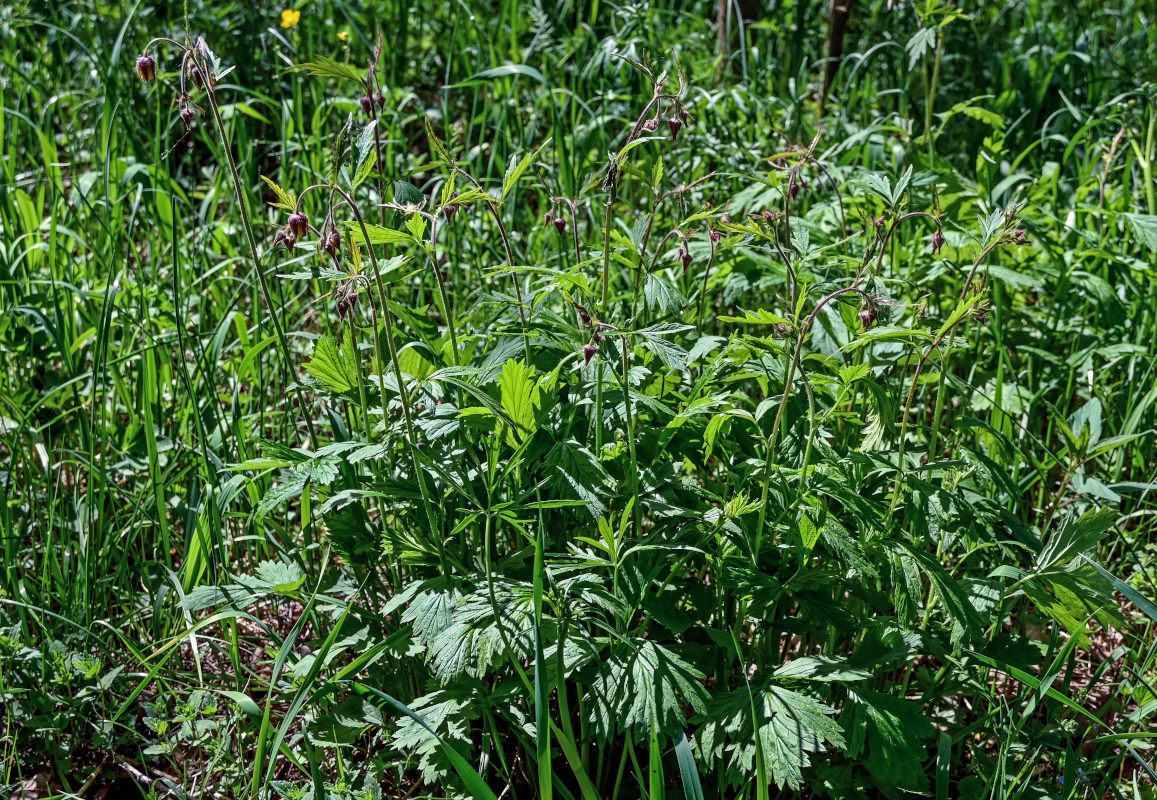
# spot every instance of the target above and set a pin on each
(625, 512)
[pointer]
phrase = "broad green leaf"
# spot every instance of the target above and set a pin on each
(641, 685)
(333, 365)
(790, 727)
(521, 399)
(379, 235)
(1144, 227)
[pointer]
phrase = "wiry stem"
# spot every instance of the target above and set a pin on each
(251, 240)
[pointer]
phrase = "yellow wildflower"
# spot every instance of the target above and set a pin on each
(343, 35)
(289, 18)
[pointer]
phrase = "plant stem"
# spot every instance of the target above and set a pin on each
(251, 240)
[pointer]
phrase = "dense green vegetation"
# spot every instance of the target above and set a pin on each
(510, 399)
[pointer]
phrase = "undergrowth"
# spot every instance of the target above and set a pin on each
(510, 400)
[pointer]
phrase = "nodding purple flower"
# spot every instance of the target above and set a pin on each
(684, 258)
(298, 224)
(367, 105)
(188, 115)
(284, 237)
(795, 187)
(938, 240)
(147, 67)
(715, 236)
(380, 100)
(1019, 237)
(199, 78)
(589, 351)
(674, 123)
(346, 303)
(560, 224)
(332, 243)
(868, 316)
(878, 221)
(771, 216)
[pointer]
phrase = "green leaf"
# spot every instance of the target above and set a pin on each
(692, 788)
(521, 399)
(424, 735)
(278, 577)
(329, 68)
(890, 728)
(1144, 227)
(672, 355)
(504, 71)
(1075, 536)
(660, 293)
(406, 193)
(517, 169)
(436, 145)
(760, 317)
(919, 44)
(642, 685)
(484, 632)
(790, 726)
(952, 595)
(333, 365)
(285, 200)
(1143, 603)
(379, 235)
(819, 668)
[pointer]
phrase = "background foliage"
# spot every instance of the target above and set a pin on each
(796, 442)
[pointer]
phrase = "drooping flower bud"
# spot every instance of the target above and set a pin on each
(332, 243)
(188, 115)
(298, 224)
(715, 236)
(937, 240)
(684, 258)
(349, 302)
(380, 100)
(725, 220)
(674, 123)
(450, 209)
(589, 351)
(868, 316)
(284, 237)
(560, 224)
(147, 67)
(1019, 237)
(367, 105)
